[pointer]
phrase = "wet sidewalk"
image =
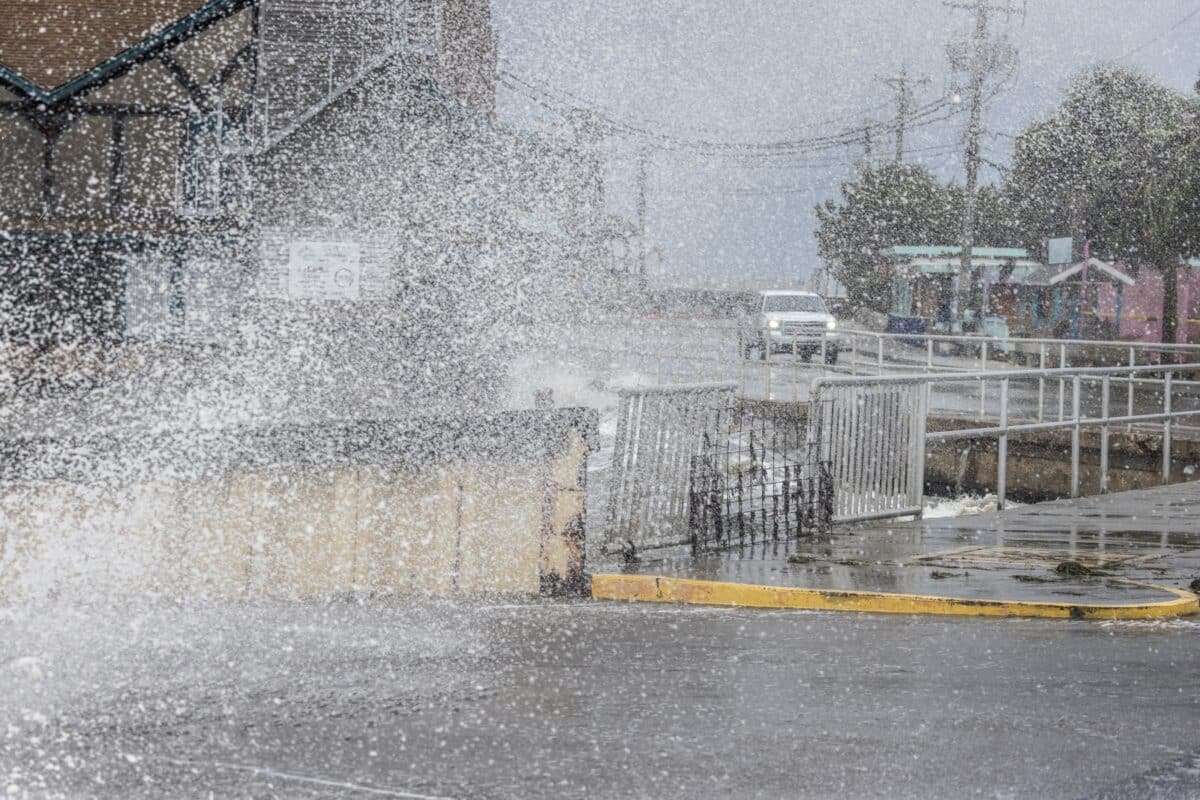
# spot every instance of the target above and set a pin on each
(1128, 550)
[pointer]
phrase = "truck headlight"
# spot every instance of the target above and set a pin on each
(773, 324)
(831, 325)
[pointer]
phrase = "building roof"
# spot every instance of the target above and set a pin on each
(52, 49)
(1053, 274)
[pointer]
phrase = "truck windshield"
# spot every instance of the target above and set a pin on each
(782, 303)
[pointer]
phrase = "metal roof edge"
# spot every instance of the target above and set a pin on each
(209, 13)
(13, 80)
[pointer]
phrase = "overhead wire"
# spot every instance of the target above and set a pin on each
(669, 141)
(920, 153)
(583, 102)
(1187, 18)
(780, 154)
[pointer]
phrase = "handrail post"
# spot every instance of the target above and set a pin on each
(1062, 384)
(922, 424)
(824, 352)
(880, 355)
(742, 363)
(767, 360)
(1106, 388)
(1166, 445)
(1129, 392)
(1041, 383)
(929, 384)
(854, 351)
(983, 358)
(1002, 456)
(795, 369)
(1075, 437)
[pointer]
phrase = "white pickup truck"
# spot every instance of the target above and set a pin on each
(787, 320)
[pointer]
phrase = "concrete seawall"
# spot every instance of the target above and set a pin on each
(1039, 464)
(492, 504)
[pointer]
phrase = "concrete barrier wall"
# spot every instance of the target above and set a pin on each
(496, 506)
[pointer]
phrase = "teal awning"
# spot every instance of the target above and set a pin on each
(936, 251)
(989, 265)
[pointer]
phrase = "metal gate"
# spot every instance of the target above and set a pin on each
(659, 431)
(693, 466)
(873, 438)
(759, 479)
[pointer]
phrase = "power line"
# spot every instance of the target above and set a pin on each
(1160, 37)
(669, 141)
(664, 140)
(583, 102)
(714, 189)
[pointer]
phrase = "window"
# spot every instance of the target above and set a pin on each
(783, 303)
(200, 179)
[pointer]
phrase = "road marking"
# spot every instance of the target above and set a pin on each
(659, 589)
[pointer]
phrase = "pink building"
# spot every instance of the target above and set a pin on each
(1140, 308)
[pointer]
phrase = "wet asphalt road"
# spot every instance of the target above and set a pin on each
(389, 698)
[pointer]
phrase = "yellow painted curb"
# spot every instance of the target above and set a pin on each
(657, 589)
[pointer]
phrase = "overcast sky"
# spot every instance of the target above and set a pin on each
(769, 70)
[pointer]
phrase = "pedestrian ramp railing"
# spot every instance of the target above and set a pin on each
(872, 436)
(786, 373)
(874, 430)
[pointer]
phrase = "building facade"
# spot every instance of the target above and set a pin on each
(165, 166)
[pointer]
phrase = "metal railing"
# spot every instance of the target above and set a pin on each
(660, 429)
(1047, 353)
(872, 437)
(855, 479)
(786, 374)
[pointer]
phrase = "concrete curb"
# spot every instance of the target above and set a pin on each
(657, 589)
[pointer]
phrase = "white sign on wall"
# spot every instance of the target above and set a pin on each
(1059, 251)
(324, 270)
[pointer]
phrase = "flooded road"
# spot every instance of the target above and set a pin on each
(386, 698)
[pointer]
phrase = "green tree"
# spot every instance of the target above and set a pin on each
(888, 205)
(1115, 164)
(897, 204)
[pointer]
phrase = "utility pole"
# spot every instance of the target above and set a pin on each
(980, 63)
(643, 158)
(904, 98)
